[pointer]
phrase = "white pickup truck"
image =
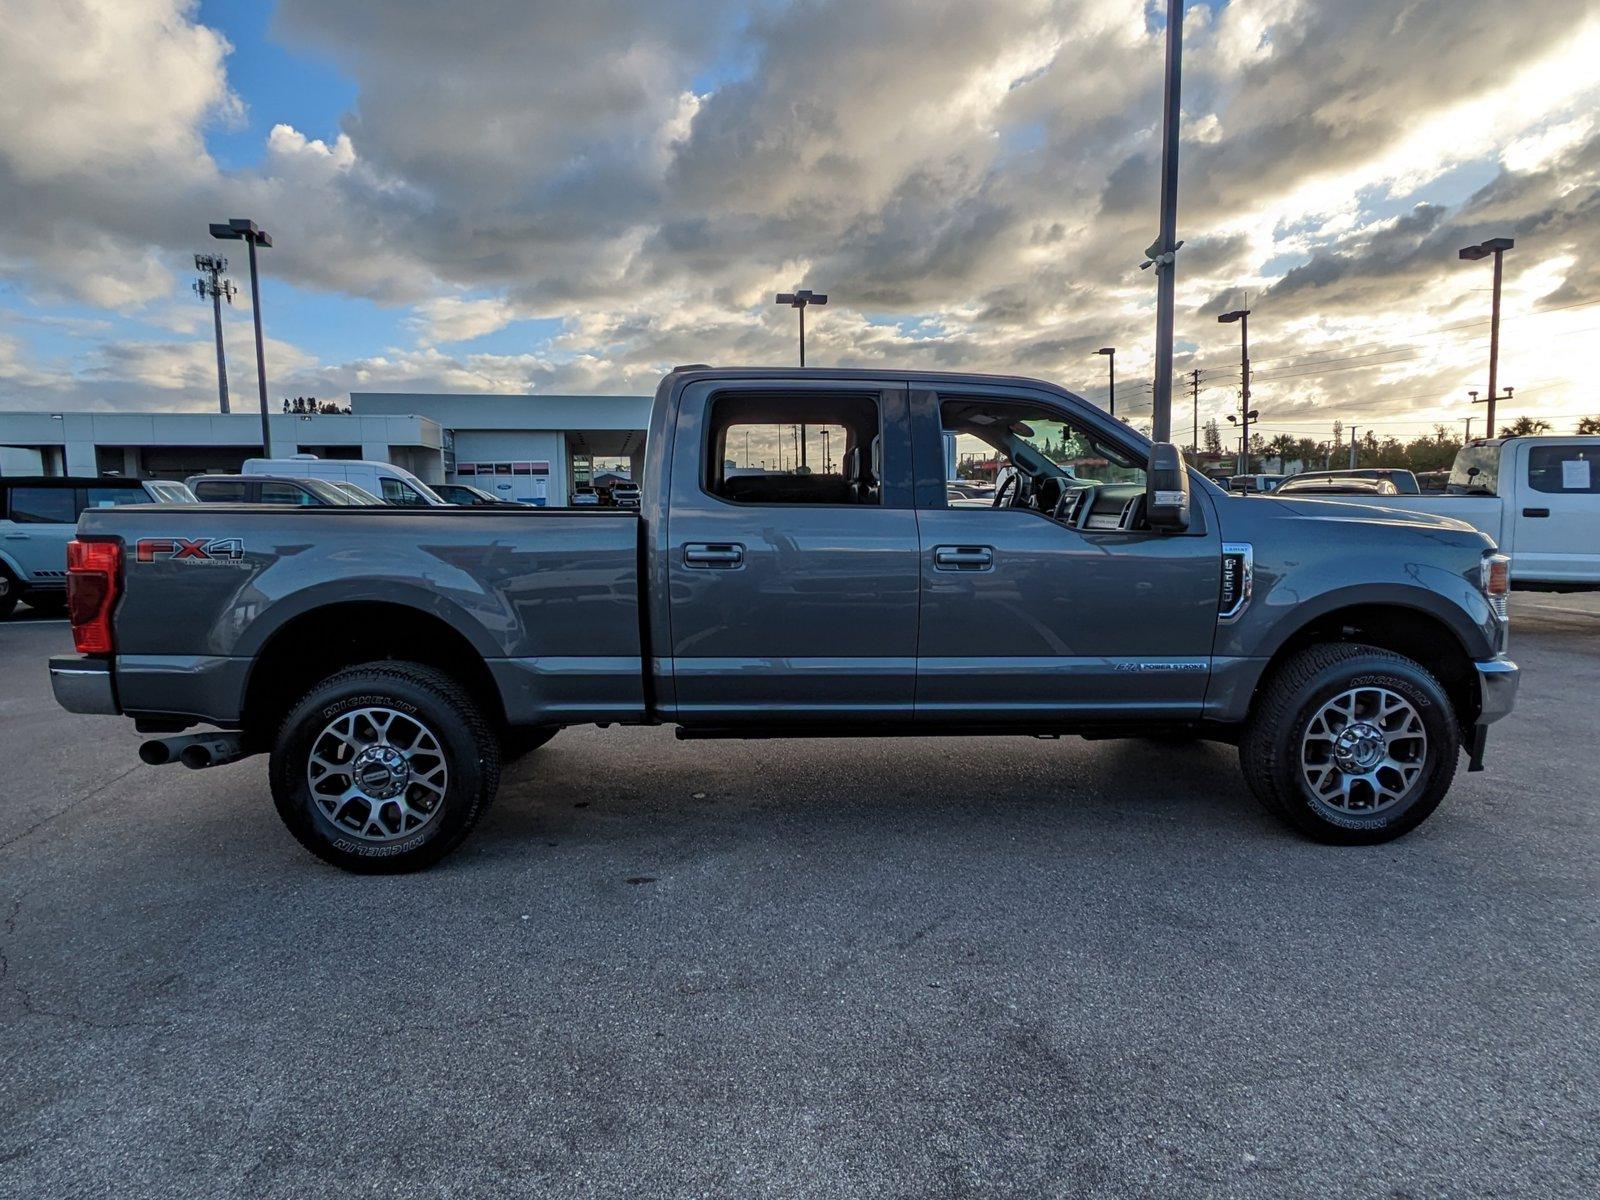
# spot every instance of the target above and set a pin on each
(1537, 497)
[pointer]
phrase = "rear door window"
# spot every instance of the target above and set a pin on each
(286, 493)
(43, 506)
(220, 491)
(1571, 469)
(111, 497)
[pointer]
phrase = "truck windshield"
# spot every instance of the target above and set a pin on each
(1476, 472)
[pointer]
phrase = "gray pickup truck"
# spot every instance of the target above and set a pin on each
(798, 568)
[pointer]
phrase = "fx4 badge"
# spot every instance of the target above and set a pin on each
(218, 552)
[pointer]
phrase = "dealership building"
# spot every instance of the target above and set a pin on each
(533, 448)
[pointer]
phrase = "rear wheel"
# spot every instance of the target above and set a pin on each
(1351, 744)
(384, 767)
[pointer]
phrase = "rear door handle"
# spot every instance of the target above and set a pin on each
(963, 558)
(713, 554)
(1536, 512)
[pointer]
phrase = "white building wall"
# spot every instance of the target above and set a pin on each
(514, 445)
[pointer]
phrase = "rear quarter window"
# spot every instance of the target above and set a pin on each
(42, 506)
(1565, 469)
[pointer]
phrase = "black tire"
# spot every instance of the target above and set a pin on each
(524, 740)
(1275, 740)
(9, 593)
(380, 836)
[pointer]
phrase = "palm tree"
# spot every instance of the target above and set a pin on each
(1525, 427)
(1589, 425)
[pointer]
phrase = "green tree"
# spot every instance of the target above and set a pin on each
(1589, 425)
(1212, 437)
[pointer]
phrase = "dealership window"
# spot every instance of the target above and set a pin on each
(787, 449)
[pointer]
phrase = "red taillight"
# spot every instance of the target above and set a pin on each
(92, 570)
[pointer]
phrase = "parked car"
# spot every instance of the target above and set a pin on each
(387, 659)
(968, 489)
(585, 495)
(1322, 485)
(38, 515)
(1405, 482)
(358, 495)
(1254, 483)
(268, 489)
(391, 484)
(625, 494)
(1538, 498)
(466, 496)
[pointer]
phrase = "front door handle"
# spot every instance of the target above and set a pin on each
(963, 558)
(1536, 512)
(713, 554)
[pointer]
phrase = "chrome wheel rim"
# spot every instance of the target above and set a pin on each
(1363, 751)
(378, 774)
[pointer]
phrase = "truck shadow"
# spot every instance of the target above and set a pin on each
(582, 787)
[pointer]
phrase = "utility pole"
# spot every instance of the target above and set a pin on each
(214, 287)
(1468, 438)
(1194, 396)
(1496, 247)
(1352, 447)
(1163, 252)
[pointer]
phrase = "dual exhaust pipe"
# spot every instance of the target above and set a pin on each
(195, 750)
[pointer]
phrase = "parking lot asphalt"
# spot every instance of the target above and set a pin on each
(999, 967)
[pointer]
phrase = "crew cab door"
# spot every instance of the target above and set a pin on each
(1029, 615)
(791, 551)
(1555, 508)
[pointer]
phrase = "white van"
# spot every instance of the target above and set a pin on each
(394, 485)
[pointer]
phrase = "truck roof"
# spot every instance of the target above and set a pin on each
(697, 371)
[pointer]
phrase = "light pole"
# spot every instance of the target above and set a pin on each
(214, 287)
(247, 231)
(798, 301)
(1111, 364)
(1242, 316)
(1163, 252)
(1496, 247)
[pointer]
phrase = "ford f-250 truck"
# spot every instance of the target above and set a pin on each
(796, 569)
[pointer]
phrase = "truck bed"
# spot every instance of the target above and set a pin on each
(548, 597)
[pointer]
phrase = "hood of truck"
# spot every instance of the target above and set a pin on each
(1316, 509)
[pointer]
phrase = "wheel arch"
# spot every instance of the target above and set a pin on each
(1416, 631)
(321, 641)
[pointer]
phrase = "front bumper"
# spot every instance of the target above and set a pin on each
(83, 685)
(1497, 693)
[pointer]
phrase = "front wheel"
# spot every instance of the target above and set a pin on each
(1351, 744)
(384, 767)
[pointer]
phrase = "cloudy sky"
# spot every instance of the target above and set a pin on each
(538, 195)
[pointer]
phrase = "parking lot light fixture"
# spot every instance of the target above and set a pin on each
(1242, 316)
(252, 235)
(1111, 363)
(1496, 247)
(799, 301)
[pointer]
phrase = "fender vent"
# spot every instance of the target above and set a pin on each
(1238, 580)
